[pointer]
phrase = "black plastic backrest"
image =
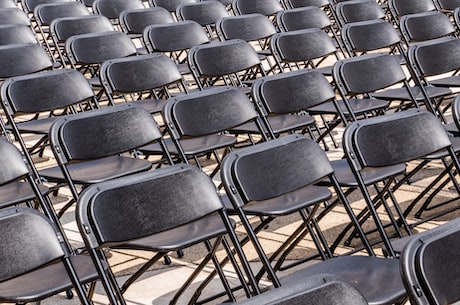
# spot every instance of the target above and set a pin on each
(11, 162)
(29, 241)
(302, 18)
(45, 91)
(435, 57)
(134, 21)
(249, 27)
(394, 138)
(171, 5)
(273, 168)
(301, 45)
(8, 4)
(29, 5)
(359, 10)
(264, 7)
(426, 26)
(19, 59)
(46, 13)
(208, 112)
(65, 27)
(139, 73)
(320, 289)
(13, 16)
(94, 48)
(370, 35)
(404, 7)
(102, 132)
(292, 91)
(429, 264)
(448, 5)
(16, 34)
(175, 36)
(221, 58)
(368, 73)
(144, 204)
(302, 3)
(112, 8)
(203, 12)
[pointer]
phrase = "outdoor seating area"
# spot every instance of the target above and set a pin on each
(229, 151)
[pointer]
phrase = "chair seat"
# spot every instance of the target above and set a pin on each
(288, 203)
(285, 123)
(377, 279)
(370, 175)
(40, 126)
(452, 81)
(181, 237)
(151, 105)
(359, 106)
(452, 128)
(402, 94)
(98, 170)
(46, 281)
(14, 193)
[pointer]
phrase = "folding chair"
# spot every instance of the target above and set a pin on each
(429, 265)
(321, 289)
(33, 102)
(134, 21)
(32, 251)
(279, 177)
(175, 40)
(358, 10)
(232, 62)
(393, 139)
(399, 8)
(264, 7)
(94, 146)
(208, 122)
(183, 209)
(448, 6)
(63, 28)
(113, 8)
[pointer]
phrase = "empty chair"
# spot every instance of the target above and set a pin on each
(113, 8)
(135, 20)
(321, 289)
(231, 62)
(205, 13)
(358, 10)
(54, 93)
(202, 123)
(429, 263)
(175, 40)
(146, 80)
(399, 8)
(107, 133)
(260, 179)
(183, 209)
(264, 7)
(32, 250)
(448, 6)
(425, 26)
(65, 27)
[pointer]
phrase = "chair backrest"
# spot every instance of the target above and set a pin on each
(51, 90)
(455, 106)
(16, 34)
(303, 3)
(273, 168)
(221, 59)
(358, 10)
(144, 204)
(139, 73)
(170, 5)
(399, 8)
(394, 138)
(207, 112)
(8, 4)
(425, 64)
(46, 13)
(425, 26)
(104, 132)
(429, 265)
(264, 7)
(448, 5)
(113, 8)
(29, 5)
(291, 92)
(29, 241)
(134, 21)
(302, 18)
(19, 59)
(14, 16)
(94, 48)
(12, 163)
(321, 289)
(63, 28)
(249, 27)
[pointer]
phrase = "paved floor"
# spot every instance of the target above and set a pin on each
(159, 285)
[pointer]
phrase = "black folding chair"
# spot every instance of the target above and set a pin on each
(159, 211)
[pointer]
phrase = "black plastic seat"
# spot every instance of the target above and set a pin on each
(183, 209)
(89, 146)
